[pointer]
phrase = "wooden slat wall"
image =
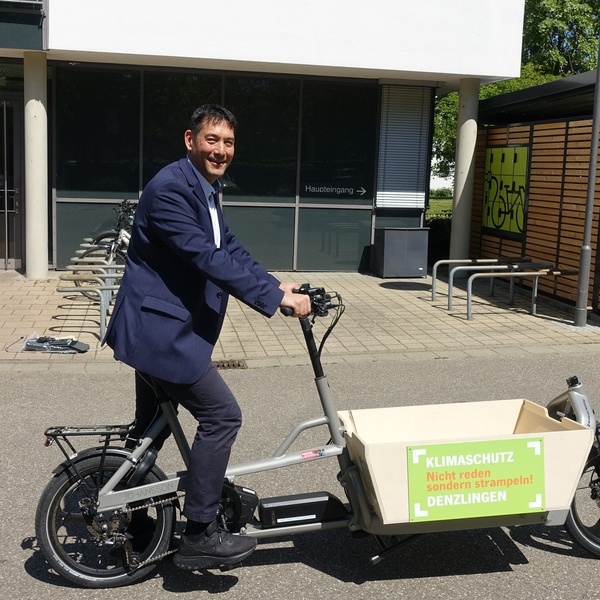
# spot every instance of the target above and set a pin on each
(559, 163)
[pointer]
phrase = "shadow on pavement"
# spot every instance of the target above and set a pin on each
(338, 555)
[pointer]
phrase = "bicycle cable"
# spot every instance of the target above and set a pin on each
(339, 311)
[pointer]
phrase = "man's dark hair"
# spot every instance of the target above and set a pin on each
(211, 113)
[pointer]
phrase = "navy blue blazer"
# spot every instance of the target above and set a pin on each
(171, 303)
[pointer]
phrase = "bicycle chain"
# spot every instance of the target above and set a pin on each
(156, 503)
(127, 546)
(148, 561)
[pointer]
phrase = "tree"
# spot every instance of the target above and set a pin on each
(446, 112)
(444, 134)
(560, 38)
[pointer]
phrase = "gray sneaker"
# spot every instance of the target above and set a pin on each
(215, 548)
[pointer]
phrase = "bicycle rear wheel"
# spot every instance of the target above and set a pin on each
(78, 548)
(583, 521)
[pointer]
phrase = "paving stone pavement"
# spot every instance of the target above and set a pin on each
(385, 319)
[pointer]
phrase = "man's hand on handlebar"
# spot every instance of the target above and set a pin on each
(289, 286)
(298, 303)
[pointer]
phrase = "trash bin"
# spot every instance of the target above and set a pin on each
(400, 251)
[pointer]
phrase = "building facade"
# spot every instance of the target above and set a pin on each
(335, 102)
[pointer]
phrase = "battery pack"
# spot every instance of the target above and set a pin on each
(299, 509)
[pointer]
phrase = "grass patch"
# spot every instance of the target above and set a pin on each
(439, 207)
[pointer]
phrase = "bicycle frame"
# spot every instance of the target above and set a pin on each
(110, 499)
(119, 242)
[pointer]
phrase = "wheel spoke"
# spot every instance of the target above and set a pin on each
(90, 553)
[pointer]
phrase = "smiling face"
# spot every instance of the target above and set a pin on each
(211, 149)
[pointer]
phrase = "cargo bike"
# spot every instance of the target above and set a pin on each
(109, 513)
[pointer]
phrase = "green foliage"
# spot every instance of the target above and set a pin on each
(443, 193)
(560, 38)
(446, 113)
(444, 134)
(531, 75)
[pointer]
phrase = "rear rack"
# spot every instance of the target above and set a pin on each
(107, 433)
(101, 430)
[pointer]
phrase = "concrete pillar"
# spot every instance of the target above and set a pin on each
(36, 165)
(466, 139)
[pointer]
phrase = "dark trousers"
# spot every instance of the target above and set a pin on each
(219, 418)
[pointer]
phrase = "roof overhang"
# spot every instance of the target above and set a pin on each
(569, 98)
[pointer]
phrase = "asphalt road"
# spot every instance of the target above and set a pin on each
(527, 561)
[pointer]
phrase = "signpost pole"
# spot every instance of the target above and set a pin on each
(581, 307)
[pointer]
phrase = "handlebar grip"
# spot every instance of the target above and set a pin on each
(286, 311)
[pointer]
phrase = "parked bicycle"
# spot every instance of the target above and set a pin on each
(109, 247)
(107, 517)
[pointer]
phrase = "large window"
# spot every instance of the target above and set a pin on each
(264, 167)
(339, 127)
(97, 132)
(339, 130)
(169, 101)
(266, 231)
(260, 185)
(299, 193)
(333, 239)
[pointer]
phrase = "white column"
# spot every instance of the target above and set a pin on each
(466, 140)
(36, 165)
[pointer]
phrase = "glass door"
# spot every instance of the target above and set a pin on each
(10, 184)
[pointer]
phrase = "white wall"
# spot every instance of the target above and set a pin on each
(420, 39)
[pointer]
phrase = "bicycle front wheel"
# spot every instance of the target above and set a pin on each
(78, 548)
(583, 521)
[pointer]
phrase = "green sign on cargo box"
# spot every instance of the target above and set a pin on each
(476, 479)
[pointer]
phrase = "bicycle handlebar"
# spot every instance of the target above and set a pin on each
(320, 301)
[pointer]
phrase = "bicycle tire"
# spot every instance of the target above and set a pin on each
(106, 252)
(105, 237)
(583, 520)
(75, 550)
